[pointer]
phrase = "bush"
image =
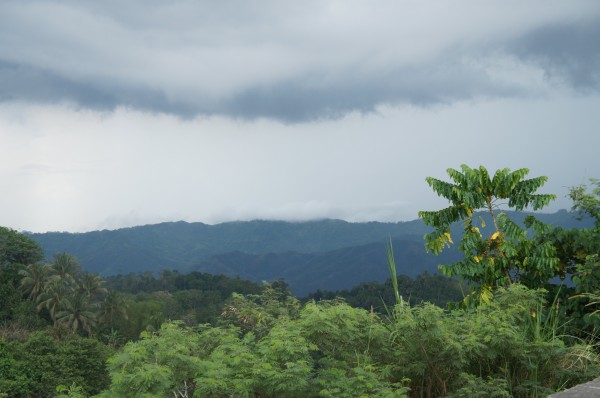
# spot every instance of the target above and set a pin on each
(38, 365)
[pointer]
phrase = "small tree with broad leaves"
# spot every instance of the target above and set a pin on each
(503, 253)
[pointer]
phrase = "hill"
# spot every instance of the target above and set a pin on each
(180, 245)
(324, 254)
(332, 270)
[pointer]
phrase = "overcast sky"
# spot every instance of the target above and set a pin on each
(122, 113)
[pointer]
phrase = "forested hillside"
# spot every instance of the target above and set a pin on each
(179, 245)
(326, 254)
(332, 270)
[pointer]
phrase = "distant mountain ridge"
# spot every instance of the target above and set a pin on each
(178, 245)
(324, 254)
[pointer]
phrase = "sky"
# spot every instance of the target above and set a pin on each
(116, 114)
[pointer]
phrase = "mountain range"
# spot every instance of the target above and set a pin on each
(311, 255)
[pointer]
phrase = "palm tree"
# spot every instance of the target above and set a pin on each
(55, 292)
(66, 266)
(91, 285)
(34, 278)
(76, 312)
(114, 306)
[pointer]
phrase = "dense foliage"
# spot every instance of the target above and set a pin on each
(270, 346)
(68, 333)
(35, 366)
(435, 289)
(502, 253)
(531, 252)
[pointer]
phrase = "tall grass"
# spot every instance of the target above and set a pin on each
(514, 344)
(389, 250)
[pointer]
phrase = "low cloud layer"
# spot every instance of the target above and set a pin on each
(289, 61)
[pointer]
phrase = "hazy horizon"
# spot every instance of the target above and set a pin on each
(260, 220)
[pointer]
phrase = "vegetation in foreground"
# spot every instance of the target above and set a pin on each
(67, 333)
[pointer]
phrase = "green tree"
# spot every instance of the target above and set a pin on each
(285, 365)
(144, 314)
(579, 252)
(16, 248)
(505, 253)
(53, 296)
(228, 370)
(160, 365)
(76, 312)
(587, 203)
(576, 246)
(16, 251)
(34, 278)
(257, 313)
(66, 267)
(112, 308)
(340, 332)
(91, 285)
(36, 366)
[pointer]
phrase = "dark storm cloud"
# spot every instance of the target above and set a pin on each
(568, 52)
(295, 100)
(30, 84)
(298, 100)
(277, 61)
(26, 83)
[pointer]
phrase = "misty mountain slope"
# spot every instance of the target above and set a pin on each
(179, 245)
(326, 254)
(336, 269)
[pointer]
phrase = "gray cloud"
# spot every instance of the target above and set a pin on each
(568, 52)
(246, 60)
(297, 100)
(26, 83)
(36, 85)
